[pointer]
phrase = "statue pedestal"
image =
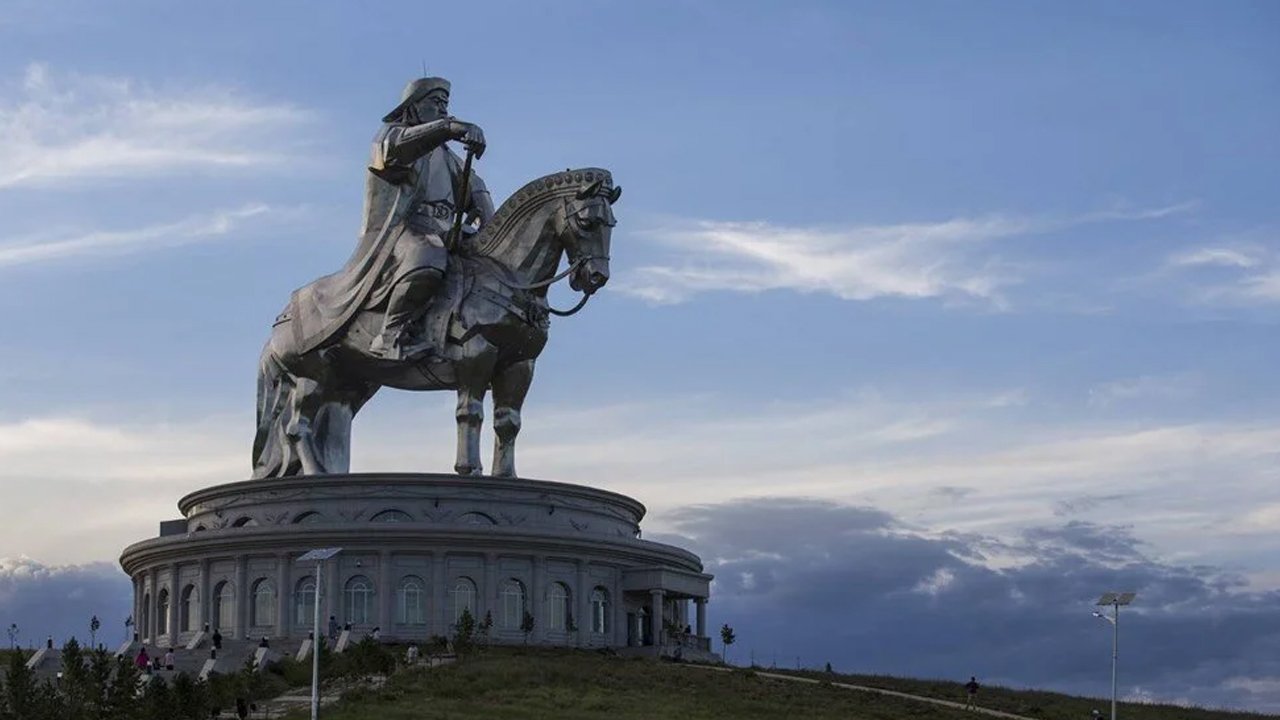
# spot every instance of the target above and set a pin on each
(417, 550)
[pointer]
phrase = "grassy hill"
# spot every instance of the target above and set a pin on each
(531, 684)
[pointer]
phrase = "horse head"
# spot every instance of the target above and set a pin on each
(588, 226)
(565, 213)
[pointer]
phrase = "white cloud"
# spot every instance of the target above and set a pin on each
(56, 128)
(1220, 256)
(1143, 387)
(1241, 273)
(198, 228)
(960, 463)
(951, 259)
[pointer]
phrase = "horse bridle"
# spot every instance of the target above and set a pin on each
(574, 265)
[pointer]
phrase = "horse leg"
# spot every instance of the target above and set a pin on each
(331, 429)
(474, 372)
(509, 389)
(305, 404)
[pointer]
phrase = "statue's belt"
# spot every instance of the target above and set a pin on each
(436, 209)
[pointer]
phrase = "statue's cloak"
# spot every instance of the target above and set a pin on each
(322, 309)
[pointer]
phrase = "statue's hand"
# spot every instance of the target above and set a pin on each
(470, 135)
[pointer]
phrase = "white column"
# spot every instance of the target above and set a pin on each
(581, 606)
(619, 610)
(139, 590)
(284, 590)
(439, 591)
(153, 619)
(537, 601)
(204, 602)
(386, 593)
(333, 594)
(489, 592)
(242, 597)
(656, 600)
(175, 603)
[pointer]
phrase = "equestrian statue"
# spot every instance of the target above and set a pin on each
(441, 293)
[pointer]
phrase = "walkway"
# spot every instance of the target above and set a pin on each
(881, 691)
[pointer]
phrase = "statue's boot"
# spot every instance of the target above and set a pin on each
(408, 303)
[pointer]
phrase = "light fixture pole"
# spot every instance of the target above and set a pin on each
(318, 556)
(1115, 600)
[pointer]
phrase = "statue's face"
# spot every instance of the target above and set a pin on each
(433, 107)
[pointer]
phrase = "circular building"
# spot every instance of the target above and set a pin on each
(417, 551)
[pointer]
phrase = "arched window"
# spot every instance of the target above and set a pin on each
(308, 518)
(411, 601)
(304, 602)
(558, 607)
(464, 598)
(188, 608)
(475, 518)
(392, 516)
(600, 610)
(263, 611)
(245, 521)
(162, 612)
(224, 606)
(359, 600)
(512, 598)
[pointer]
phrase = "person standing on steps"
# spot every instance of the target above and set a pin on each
(971, 694)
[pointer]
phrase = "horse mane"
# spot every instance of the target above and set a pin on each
(518, 209)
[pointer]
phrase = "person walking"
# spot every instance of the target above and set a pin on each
(971, 693)
(168, 659)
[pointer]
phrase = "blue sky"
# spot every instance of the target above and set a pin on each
(995, 270)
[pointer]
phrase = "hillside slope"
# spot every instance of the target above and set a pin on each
(532, 684)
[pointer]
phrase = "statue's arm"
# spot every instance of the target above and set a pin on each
(481, 205)
(403, 145)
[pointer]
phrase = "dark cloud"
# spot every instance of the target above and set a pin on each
(857, 587)
(59, 601)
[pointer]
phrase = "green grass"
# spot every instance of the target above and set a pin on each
(532, 684)
(528, 683)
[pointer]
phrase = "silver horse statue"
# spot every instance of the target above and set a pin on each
(486, 330)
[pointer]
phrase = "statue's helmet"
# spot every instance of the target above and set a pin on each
(415, 91)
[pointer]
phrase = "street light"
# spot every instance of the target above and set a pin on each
(317, 556)
(1115, 600)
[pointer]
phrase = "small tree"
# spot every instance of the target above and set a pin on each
(569, 624)
(728, 638)
(94, 624)
(464, 632)
(485, 626)
(19, 688)
(526, 625)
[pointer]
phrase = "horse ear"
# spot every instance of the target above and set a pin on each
(614, 194)
(590, 190)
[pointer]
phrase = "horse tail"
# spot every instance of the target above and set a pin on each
(271, 444)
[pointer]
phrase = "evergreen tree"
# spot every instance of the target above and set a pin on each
(526, 625)
(19, 689)
(122, 701)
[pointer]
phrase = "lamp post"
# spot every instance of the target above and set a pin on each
(318, 556)
(1115, 600)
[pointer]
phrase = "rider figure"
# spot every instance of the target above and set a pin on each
(413, 182)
